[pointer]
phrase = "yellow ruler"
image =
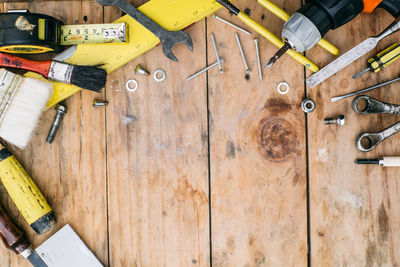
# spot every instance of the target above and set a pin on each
(171, 14)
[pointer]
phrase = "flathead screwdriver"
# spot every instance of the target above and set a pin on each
(383, 59)
(385, 161)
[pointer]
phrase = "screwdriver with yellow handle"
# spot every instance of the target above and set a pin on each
(383, 59)
(267, 34)
(279, 12)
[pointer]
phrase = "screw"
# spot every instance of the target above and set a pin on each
(203, 70)
(339, 121)
(99, 103)
(216, 53)
(258, 59)
(140, 70)
(61, 110)
(231, 24)
(242, 53)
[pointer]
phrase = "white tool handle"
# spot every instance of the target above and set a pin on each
(391, 162)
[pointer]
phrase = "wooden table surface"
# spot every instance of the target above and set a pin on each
(220, 170)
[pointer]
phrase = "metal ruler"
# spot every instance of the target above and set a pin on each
(93, 33)
(170, 14)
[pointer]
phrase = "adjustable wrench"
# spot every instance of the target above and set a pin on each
(168, 38)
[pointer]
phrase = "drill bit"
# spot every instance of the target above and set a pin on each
(278, 54)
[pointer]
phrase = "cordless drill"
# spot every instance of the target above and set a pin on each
(315, 18)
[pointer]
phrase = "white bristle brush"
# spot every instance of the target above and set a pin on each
(22, 101)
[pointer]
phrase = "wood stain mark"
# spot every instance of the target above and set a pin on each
(383, 220)
(259, 258)
(371, 254)
(277, 105)
(230, 150)
(277, 138)
(344, 83)
(186, 191)
(248, 11)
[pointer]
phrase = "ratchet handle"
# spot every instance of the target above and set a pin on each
(368, 105)
(368, 141)
(11, 235)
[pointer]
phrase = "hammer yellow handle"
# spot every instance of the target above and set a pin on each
(276, 41)
(285, 17)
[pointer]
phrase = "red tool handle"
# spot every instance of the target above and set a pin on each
(391, 6)
(10, 61)
(11, 235)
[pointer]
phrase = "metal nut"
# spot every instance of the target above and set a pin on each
(308, 105)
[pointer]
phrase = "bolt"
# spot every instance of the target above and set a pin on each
(231, 24)
(99, 103)
(258, 60)
(216, 53)
(61, 110)
(242, 53)
(204, 70)
(140, 70)
(339, 121)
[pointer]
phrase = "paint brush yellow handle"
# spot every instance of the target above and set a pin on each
(285, 17)
(276, 41)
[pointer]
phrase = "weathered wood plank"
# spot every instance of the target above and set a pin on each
(354, 209)
(158, 164)
(258, 164)
(72, 171)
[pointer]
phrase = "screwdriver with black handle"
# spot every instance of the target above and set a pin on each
(385, 161)
(382, 60)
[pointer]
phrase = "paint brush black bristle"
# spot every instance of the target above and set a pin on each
(89, 77)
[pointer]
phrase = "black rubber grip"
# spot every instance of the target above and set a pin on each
(331, 14)
(229, 6)
(391, 6)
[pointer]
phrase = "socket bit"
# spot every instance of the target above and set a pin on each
(61, 110)
(140, 70)
(340, 120)
(99, 103)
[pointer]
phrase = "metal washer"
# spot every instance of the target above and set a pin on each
(136, 85)
(308, 105)
(159, 79)
(279, 88)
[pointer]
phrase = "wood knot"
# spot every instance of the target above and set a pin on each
(277, 138)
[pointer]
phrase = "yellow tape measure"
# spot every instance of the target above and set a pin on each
(93, 33)
(172, 15)
(32, 33)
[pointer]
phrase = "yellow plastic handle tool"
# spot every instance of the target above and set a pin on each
(277, 11)
(276, 41)
(384, 58)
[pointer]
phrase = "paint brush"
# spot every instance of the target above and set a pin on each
(22, 101)
(87, 77)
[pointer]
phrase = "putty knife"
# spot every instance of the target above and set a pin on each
(63, 249)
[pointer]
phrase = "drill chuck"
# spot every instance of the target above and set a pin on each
(314, 19)
(300, 33)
